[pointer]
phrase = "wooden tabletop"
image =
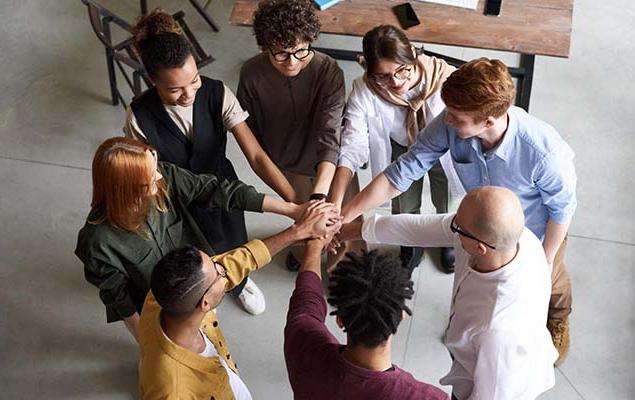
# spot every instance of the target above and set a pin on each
(541, 27)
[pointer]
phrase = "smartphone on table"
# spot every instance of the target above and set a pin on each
(406, 15)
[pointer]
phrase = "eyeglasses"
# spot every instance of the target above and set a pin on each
(402, 73)
(282, 56)
(457, 229)
(221, 272)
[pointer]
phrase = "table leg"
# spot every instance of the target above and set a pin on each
(144, 7)
(525, 80)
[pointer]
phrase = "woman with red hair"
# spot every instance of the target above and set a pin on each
(139, 212)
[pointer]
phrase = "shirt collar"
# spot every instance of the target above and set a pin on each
(504, 148)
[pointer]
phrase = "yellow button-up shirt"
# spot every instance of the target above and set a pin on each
(169, 371)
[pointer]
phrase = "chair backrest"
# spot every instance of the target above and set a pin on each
(100, 20)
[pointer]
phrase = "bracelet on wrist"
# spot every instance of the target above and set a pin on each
(317, 196)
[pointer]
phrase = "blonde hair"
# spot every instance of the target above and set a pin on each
(122, 181)
(481, 88)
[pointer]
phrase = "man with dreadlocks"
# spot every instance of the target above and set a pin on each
(369, 293)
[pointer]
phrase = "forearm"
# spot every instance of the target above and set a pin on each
(274, 178)
(554, 235)
(341, 180)
(323, 178)
(282, 240)
(312, 257)
(350, 231)
(132, 323)
(377, 192)
(280, 207)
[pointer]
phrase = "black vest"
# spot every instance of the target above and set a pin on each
(205, 153)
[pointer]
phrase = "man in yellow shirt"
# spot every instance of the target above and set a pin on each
(183, 352)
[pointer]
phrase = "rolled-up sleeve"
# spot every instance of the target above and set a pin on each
(208, 190)
(240, 262)
(432, 142)
(328, 121)
(556, 180)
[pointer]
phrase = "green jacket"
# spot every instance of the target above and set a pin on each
(120, 263)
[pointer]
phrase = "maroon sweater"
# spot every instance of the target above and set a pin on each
(314, 363)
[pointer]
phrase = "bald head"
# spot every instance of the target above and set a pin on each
(494, 215)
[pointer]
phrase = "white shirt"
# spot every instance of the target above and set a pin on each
(369, 124)
(497, 330)
(238, 386)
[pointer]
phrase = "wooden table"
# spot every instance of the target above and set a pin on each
(527, 27)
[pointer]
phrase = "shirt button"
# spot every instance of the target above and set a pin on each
(215, 324)
(228, 356)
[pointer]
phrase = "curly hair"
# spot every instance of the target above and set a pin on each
(284, 23)
(160, 42)
(369, 293)
(481, 88)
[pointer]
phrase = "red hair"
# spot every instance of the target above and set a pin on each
(122, 180)
(481, 88)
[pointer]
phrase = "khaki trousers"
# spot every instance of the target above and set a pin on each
(561, 298)
(409, 202)
(303, 186)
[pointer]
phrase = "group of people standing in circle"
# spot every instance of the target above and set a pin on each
(166, 238)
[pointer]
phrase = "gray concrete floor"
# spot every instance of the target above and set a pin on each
(54, 112)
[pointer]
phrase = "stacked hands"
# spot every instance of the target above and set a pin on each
(318, 220)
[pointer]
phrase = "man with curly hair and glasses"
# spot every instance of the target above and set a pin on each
(295, 99)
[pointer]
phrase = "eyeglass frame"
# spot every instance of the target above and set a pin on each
(222, 273)
(288, 54)
(457, 229)
(384, 80)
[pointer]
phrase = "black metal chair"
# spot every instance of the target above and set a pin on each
(123, 54)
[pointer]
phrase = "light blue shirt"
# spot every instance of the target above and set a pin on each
(532, 160)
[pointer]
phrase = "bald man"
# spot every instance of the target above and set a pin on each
(496, 334)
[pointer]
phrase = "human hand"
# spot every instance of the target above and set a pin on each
(319, 219)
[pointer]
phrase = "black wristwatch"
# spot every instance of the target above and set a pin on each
(317, 196)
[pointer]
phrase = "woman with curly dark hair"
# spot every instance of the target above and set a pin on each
(295, 99)
(185, 116)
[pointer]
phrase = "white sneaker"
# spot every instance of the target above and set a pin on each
(252, 299)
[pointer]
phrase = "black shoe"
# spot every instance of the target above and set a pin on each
(447, 259)
(410, 257)
(292, 263)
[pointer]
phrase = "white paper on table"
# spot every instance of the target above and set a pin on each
(471, 4)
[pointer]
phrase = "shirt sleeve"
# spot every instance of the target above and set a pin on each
(355, 147)
(432, 142)
(556, 180)
(240, 262)
(247, 102)
(131, 127)
(210, 191)
(305, 331)
(409, 230)
(233, 113)
(328, 121)
(501, 366)
(108, 275)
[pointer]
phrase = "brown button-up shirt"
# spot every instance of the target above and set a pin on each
(297, 120)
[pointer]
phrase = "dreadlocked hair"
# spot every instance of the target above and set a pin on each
(369, 293)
